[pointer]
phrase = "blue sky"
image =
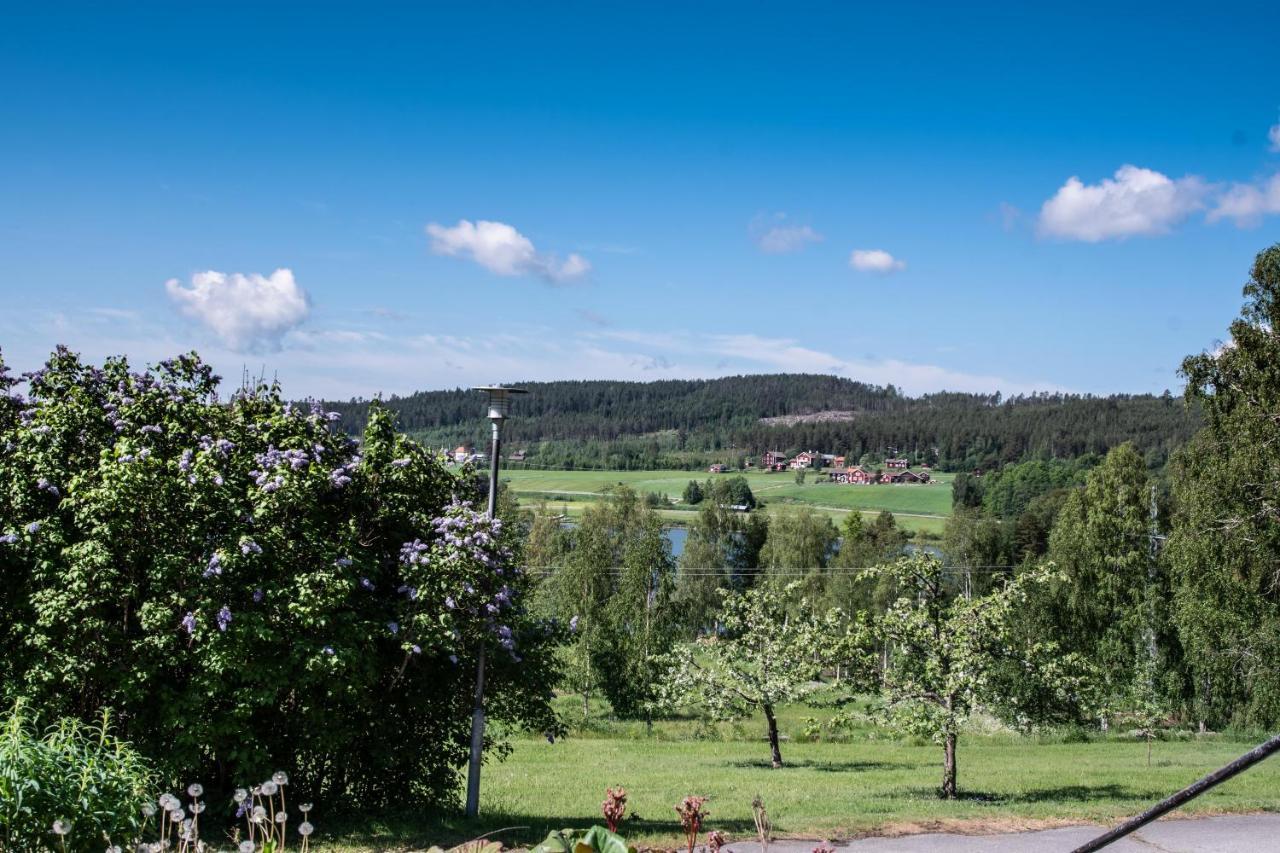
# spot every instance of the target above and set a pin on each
(380, 198)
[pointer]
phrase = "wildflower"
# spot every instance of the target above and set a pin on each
(269, 788)
(61, 827)
(305, 829)
(241, 795)
(281, 817)
(188, 625)
(280, 777)
(304, 808)
(246, 846)
(573, 624)
(224, 618)
(195, 789)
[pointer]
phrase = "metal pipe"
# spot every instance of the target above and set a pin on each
(1187, 794)
(477, 711)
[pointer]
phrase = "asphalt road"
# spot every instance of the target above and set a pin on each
(1226, 834)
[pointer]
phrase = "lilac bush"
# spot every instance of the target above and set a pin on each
(246, 586)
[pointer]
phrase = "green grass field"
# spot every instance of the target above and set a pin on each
(918, 508)
(866, 783)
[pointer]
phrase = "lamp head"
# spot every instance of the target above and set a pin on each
(499, 399)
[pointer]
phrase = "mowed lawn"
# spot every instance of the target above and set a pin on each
(920, 507)
(871, 784)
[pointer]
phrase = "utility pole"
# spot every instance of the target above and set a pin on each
(499, 406)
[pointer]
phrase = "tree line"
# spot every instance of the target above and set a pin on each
(690, 423)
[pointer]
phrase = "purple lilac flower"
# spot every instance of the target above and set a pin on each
(417, 650)
(189, 623)
(342, 562)
(40, 430)
(224, 618)
(573, 624)
(217, 479)
(152, 428)
(367, 584)
(328, 650)
(214, 567)
(453, 658)
(9, 538)
(248, 546)
(257, 595)
(393, 627)
(33, 527)
(449, 602)
(46, 486)
(144, 453)
(400, 463)
(184, 464)
(332, 417)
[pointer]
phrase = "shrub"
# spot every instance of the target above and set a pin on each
(74, 774)
(249, 589)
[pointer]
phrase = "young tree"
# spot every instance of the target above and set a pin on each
(615, 584)
(1112, 602)
(719, 539)
(692, 493)
(943, 650)
(763, 656)
(1224, 548)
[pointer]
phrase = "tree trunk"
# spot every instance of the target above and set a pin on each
(775, 751)
(949, 767)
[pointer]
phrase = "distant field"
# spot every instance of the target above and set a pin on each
(918, 508)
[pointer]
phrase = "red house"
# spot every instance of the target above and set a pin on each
(773, 461)
(857, 475)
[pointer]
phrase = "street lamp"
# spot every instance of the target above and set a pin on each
(499, 406)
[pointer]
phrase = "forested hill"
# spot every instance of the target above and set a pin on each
(685, 422)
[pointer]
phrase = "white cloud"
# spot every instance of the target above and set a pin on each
(503, 250)
(787, 238)
(1135, 202)
(1246, 204)
(875, 260)
(247, 312)
(780, 238)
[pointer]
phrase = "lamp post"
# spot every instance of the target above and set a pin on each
(499, 406)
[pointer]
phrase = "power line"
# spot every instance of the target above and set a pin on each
(830, 570)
